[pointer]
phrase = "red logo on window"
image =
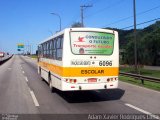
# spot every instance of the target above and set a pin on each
(80, 39)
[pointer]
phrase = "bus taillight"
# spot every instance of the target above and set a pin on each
(112, 79)
(71, 80)
(75, 80)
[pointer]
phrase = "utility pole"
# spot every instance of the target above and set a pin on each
(135, 39)
(82, 15)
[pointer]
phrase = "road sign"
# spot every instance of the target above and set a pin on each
(20, 45)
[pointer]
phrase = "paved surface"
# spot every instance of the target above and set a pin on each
(23, 92)
(152, 67)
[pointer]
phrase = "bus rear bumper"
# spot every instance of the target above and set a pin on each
(97, 86)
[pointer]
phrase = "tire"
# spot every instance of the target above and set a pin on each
(42, 79)
(52, 89)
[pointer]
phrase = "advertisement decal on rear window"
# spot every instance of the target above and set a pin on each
(92, 43)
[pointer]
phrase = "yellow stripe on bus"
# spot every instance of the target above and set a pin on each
(80, 71)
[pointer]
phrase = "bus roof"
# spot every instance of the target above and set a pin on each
(77, 29)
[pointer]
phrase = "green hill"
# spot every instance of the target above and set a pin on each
(148, 45)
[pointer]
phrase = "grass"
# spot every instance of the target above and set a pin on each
(33, 56)
(145, 72)
(147, 84)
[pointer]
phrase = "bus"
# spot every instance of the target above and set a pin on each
(80, 59)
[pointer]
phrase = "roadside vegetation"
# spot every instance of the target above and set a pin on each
(33, 56)
(142, 71)
(148, 45)
(147, 84)
(145, 72)
(148, 53)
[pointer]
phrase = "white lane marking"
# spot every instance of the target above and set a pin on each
(26, 79)
(34, 98)
(143, 111)
(23, 72)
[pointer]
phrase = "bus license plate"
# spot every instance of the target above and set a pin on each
(92, 80)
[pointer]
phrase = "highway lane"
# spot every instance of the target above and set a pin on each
(14, 94)
(20, 77)
(72, 102)
(144, 98)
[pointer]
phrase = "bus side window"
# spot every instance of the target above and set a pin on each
(54, 49)
(42, 50)
(59, 48)
(50, 50)
(48, 46)
(45, 50)
(44, 54)
(39, 50)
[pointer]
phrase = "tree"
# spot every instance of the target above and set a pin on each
(76, 24)
(151, 44)
(148, 45)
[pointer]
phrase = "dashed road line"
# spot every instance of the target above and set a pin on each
(32, 93)
(143, 111)
(26, 79)
(34, 98)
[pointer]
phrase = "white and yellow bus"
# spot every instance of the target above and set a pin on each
(80, 59)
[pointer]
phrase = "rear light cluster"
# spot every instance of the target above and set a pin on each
(71, 80)
(112, 79)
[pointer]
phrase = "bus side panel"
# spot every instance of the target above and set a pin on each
(44, 74)
(56, 81)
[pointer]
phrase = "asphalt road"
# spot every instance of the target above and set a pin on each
(22, 92)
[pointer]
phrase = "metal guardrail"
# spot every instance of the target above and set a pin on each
(141, 77)
(4, 59)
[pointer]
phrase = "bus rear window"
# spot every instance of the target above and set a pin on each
(92, 43)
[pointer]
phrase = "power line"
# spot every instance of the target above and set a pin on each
(109, 6)
(91, 2)
(141, 13)
(141, 23)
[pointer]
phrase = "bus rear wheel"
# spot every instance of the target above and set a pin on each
(39, 72)
(52, 89)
